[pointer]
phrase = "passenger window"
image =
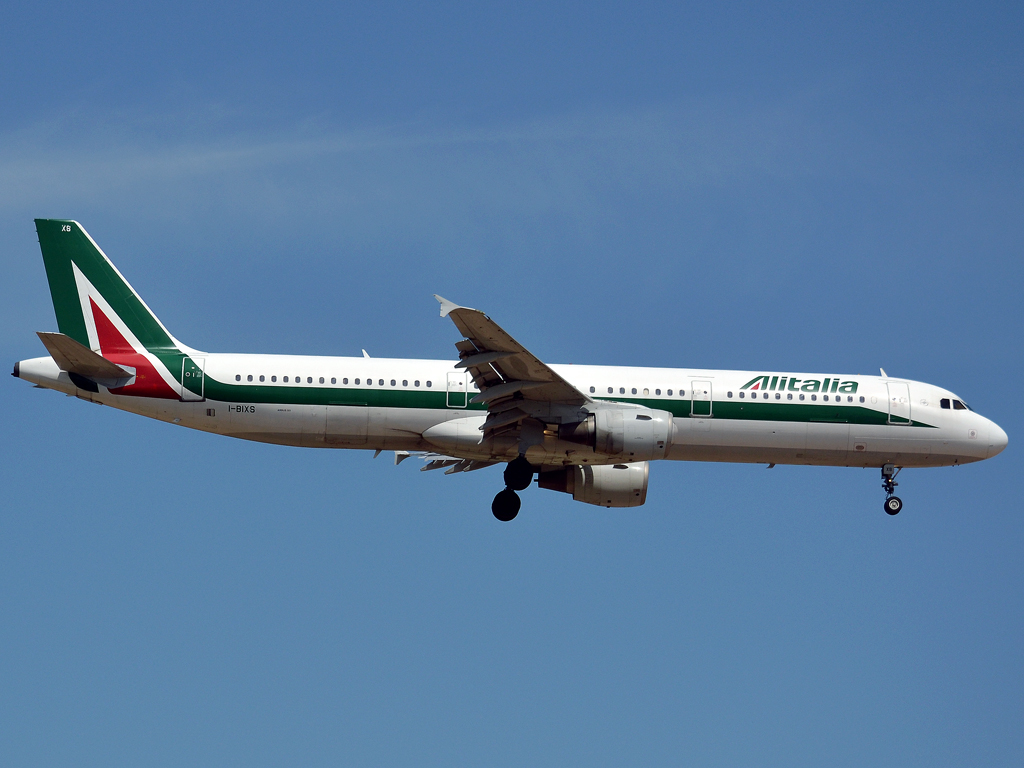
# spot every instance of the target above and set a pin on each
(802, 397)
(273, 378)
(309, 380)
(429, 384)
(238, 377)
(249, 377)
(944, 403)
(682, 392)
(405, 382)
(825, 398)
(647, 391)
(814, 397)
(381, 382)
(670, 393)
(778, 396)
(657, 391)
(416, 383)
(728, 394)
(862, 398)
(789, 395)
(633, 391)
(849, 398)
(765, 395)
(958, 406)
(344, 381)
(262, 378)
(357, 382)
(622, 390)
(285, 379)
(609, 390)
(333, 380)
(592, 390)
(742, 395)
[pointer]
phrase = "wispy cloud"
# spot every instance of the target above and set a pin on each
(569, 165)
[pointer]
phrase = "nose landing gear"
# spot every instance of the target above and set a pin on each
(893, 503)
(518, 476)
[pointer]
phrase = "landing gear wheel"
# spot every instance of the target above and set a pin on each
(893, 505)
(518, 474)
(506, 505)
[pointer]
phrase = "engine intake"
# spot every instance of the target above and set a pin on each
(635, 434)
(610, 485)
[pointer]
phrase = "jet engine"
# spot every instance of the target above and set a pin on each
(612, 485)
(635, 434)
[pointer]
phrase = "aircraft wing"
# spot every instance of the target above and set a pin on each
(503, 369)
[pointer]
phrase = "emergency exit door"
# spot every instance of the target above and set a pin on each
(457, 389)
(899, 402)
(700, 398)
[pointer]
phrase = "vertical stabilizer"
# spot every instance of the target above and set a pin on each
(96, 307)
(81, 275)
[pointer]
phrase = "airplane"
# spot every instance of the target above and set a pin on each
(584, 430)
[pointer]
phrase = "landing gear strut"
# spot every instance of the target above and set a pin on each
(893, 504)
(518, 476)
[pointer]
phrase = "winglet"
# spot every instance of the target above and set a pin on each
(447, 306)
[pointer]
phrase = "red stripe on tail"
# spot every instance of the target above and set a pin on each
(117, 349)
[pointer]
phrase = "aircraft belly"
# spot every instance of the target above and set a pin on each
(910, 446)
(735, 440)
(780, 442)
(279, 423)
(400, 429)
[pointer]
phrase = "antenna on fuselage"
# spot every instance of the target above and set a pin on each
(880, 370)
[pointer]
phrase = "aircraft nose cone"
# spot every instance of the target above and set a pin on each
(997, 440)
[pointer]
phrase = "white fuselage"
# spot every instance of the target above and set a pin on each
(425, 405)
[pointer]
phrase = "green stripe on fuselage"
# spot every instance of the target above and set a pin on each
(304, 394)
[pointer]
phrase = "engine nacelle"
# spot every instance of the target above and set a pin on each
(635, 434)
(610, 485)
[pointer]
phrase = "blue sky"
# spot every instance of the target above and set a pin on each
(736, 186)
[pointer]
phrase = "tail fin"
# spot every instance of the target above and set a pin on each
(96, 308)
(84, 284)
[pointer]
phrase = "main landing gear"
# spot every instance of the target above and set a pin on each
(518, 476)
(893, 504)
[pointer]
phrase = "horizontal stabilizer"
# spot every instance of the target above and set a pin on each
(73, 357)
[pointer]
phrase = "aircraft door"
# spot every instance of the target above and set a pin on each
(899, 403)
(457, 389)
(700, 398)
(193, 379)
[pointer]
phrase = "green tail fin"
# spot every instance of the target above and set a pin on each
(80, 273)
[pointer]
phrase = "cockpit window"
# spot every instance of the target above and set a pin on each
(944, 402)
(958, 406)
